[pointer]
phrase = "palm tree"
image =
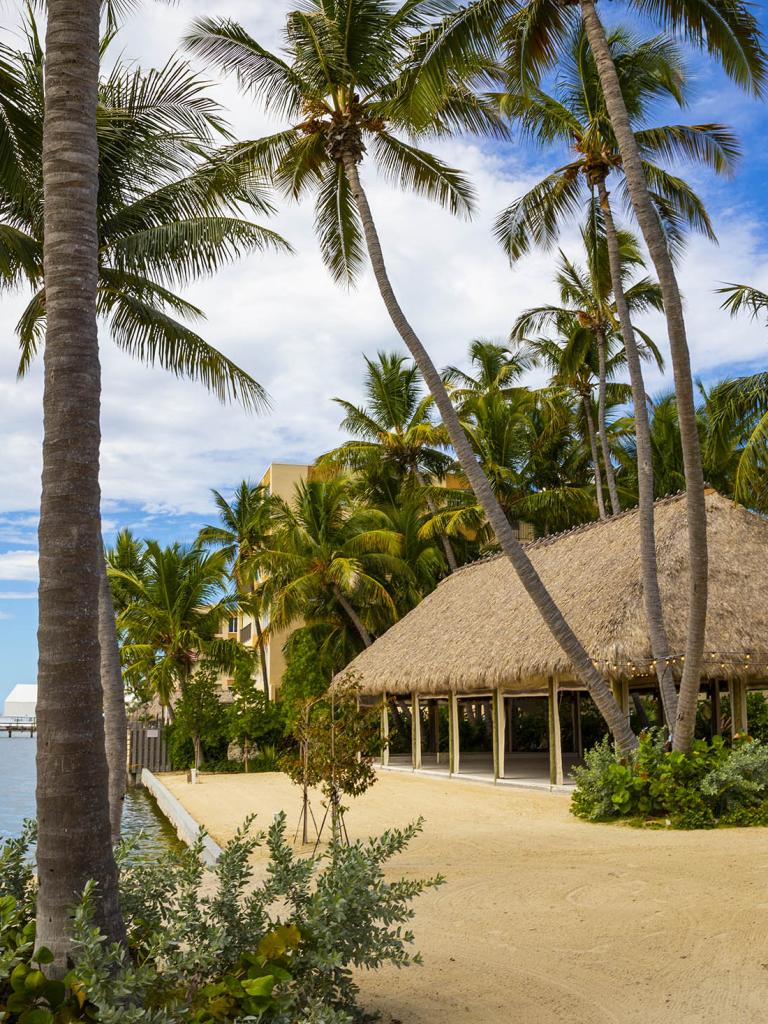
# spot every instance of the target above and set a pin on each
(330, 558)
(497, 370)
(395, 442)
(164, 217)
(576, 115)
(740, 410)
(352, 82)
(71, 847)
(593, 349)
(530, 447)
(243, 536)
(722, 453)
(730, 31)
(172, 617)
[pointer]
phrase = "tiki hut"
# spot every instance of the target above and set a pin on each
(478, 639)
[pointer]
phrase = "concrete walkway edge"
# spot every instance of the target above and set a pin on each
(186, 827)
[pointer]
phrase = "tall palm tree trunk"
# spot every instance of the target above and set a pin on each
(74, 835)
(654, 611)
(686, 410)
(113, 697)
(602, 429)
(262, 654)
(450, 556)
(585, 404)
(566, 638)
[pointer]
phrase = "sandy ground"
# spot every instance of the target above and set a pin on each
(545, 918)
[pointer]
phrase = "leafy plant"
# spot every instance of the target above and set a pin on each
(713, 785)
(337, 739)
(282, 951)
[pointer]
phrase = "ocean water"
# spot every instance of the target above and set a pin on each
(17, 799)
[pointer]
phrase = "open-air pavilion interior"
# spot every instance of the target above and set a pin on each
(471, 683)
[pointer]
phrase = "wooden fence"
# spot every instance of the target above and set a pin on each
(147, 748)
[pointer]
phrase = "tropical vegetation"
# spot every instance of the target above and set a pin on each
(119, 189)
(205, 950)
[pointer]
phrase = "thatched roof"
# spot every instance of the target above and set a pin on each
(479, 629)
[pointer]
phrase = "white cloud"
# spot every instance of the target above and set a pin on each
(18, 565)
(18, 595)
(165, 442)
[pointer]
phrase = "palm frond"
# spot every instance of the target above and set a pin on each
(420, 172)
(337, 224)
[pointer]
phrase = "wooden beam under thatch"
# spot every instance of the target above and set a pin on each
(479, 630)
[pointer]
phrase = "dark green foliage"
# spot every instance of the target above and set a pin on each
(713, 785)
(205, 954)
(256, 724)
(199, 718)
(307, 674)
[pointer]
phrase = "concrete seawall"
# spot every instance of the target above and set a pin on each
(186, 827)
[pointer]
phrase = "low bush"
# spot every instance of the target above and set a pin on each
(715, 784)
(282, 951)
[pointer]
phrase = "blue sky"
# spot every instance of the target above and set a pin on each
(166, 443)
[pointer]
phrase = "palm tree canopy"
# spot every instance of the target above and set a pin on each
(739, 411)
(167, 214)
(745, 298)
(574, 115)
(496, 369)
(241, 535)
(328, 550)
(395, 441)
(349, 82)
(588, 306)
(173, 615)
(727, 29)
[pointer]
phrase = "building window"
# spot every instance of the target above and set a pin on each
(233, 624)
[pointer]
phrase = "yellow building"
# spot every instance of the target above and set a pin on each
(280, 480)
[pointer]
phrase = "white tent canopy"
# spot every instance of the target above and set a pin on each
(21, 702)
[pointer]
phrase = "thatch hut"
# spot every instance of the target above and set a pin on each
(479, 638)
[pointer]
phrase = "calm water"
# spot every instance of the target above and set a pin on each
(17, 799)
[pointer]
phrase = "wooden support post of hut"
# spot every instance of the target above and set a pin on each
(738, 695)
(415, 731)
(717, 716)
(578, 740)
(555, 743)
(384, 730)
(454, 754)
(621, 693)
(499, 732)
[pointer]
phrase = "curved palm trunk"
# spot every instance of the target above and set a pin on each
(74, 836)
(450, 556)
(113, 697)
(566, 638)
(654, 611)
(585, 404)
(686, 410)
(602, 429)
(353, 617)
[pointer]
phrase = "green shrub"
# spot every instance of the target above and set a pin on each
(714, 784)
(282, 951)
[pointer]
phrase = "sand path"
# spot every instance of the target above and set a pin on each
(544, 918)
